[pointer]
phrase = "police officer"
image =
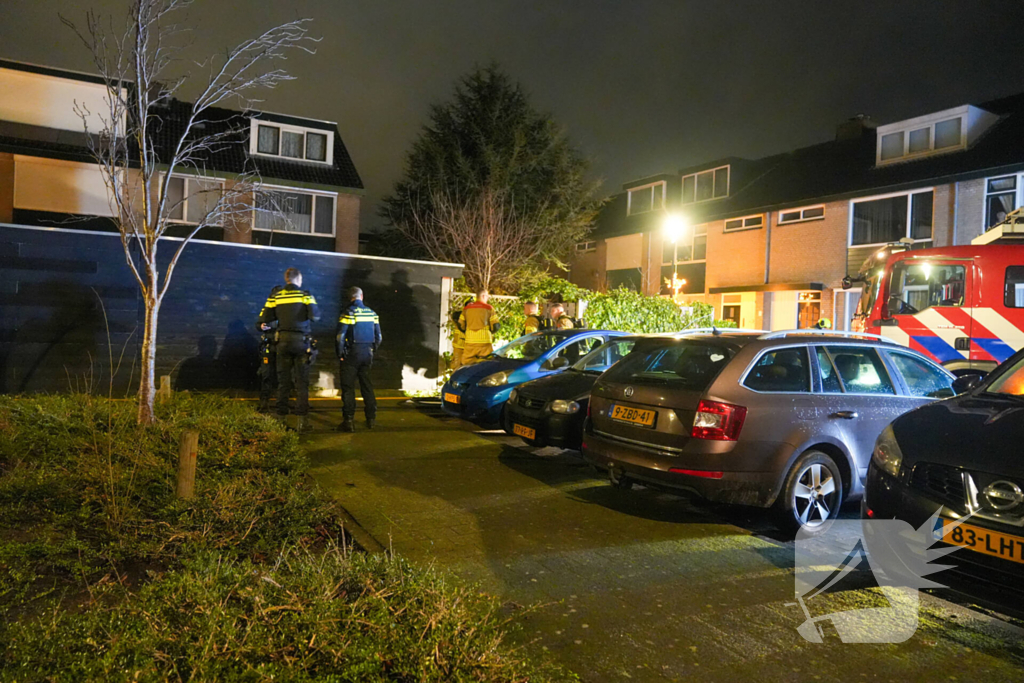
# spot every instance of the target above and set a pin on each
(533, 323)
(559, 320)
(823, 324)
(268, 359)
(358, 339)
(480, 323)
(294, 309)
(458, 340)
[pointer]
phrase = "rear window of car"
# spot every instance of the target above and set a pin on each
(685, 364)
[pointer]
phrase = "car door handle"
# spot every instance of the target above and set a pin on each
(845, 414)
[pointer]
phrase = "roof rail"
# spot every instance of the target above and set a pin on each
(828, 333)
(717, 330)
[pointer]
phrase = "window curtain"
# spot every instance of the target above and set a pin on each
(291, 145)
(284, 211)
(880, 221)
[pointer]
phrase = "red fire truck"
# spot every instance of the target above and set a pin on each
(962, 306)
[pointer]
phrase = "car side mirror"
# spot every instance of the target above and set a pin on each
(964, 383)
(847, 282)
(556, 363)
(893, 305)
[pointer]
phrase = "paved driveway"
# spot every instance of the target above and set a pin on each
(634, 585)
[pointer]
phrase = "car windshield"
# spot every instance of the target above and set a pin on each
(872, 283)
(605, 356)
(685, 364)
(531, 347)
(1010, 382)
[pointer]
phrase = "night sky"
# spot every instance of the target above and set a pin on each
(643, 87)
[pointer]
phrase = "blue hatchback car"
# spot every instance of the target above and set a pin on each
(478, 392)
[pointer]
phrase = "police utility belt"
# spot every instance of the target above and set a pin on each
(307, 338)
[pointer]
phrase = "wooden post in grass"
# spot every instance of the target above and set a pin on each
(164, 392)
(188, 449)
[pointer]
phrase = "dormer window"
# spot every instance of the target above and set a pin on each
(706, 185)
(647, 198)
(269, 138)
(946, 131)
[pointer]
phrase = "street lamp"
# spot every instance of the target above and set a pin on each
(674, 226)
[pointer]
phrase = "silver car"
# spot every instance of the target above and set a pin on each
(785, 419)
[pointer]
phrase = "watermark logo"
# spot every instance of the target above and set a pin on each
(898, 556)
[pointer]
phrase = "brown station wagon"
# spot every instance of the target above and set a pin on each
(784, 419)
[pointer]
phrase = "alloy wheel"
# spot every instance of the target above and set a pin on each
(815, 495)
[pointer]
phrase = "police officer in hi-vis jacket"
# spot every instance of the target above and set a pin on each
(358, 339)
(293, 308)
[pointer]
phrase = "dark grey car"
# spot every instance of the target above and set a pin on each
(785, 419)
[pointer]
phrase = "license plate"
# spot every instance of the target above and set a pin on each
(451, 398)
(637, 416)
(981, 540)
(525, 432)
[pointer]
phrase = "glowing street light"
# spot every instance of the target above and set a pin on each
(674, 227)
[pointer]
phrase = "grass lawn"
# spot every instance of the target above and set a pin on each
(106, 575)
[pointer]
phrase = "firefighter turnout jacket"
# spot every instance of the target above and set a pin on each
(532, 324)
(293, 309)
(564, 322)
(480, 323)
(357, 326)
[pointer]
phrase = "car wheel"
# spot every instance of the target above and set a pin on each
(619, 479)
(812, 494)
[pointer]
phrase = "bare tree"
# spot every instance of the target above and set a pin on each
(486, 232)
(144, 66)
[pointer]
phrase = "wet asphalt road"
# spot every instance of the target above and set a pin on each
(630, 585)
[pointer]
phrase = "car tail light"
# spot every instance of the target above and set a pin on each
(718, 421)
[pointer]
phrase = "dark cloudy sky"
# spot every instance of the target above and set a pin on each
(643, 87)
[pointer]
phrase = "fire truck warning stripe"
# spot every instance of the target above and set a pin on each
(1001, 328)
(944, 330)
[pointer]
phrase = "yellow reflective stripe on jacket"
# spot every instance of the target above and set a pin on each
(479, 336)
(458, 339)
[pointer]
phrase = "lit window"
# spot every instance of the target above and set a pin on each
(693, 247)
(796, 215)
(947, 133)
(748, 223)
(706, 185)
(1000, 199)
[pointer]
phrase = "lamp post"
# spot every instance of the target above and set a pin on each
(674, 226)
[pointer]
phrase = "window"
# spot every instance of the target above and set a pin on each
(647, 198)
(693, 248)
(682, 365)
(583, 247)
(808, 309)
(706, 185)
(748, 223)
(1000, 199)
(293, 211)
(1014, 292)
(576, 350)
(292, 142)
(921, 377)
(1010, 381)
(811, 213)
(860, 370)
(604, 357)
(919, 286)
(890, 219)
(784, 370)
(919, 140)
(191, 200)
(830, 383)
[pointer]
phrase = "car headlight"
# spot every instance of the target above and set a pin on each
(565, 407)
(496, 380)
(513, 395)
(887, 454)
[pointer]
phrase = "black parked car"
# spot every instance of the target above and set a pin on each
(550, 411)
(964, 455)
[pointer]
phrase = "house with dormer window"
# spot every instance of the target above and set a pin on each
(48, 178)
(769, 241)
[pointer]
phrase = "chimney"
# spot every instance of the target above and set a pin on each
(854, 128)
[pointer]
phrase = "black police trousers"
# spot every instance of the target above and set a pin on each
(356, 366)
(292, 368)
(268, 376)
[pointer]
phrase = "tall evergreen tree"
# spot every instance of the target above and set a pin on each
(488, 145)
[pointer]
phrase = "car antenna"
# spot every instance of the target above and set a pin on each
(715, 331)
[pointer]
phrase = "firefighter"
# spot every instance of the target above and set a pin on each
(458, 340)
(358, 339)
(533, 323)
(823, 324)
(268, 358)
(559, 320)
(293, 308)
(480, 323)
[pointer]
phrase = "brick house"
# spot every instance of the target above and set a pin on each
(769, 241)
(47, 177)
